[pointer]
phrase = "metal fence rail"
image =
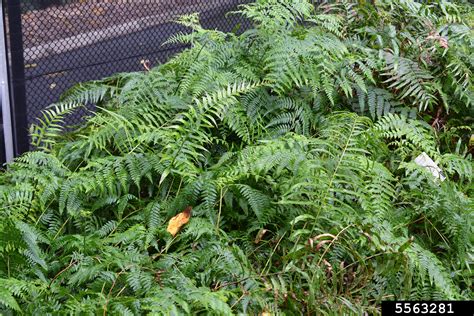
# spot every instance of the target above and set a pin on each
(53, 44)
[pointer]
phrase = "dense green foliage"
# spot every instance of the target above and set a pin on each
(294, 143)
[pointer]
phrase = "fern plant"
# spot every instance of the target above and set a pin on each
(294, 144)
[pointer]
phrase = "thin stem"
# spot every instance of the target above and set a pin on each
(220, 211)
(331, 243)
(62, 271)
(273, 251)
(61, 228)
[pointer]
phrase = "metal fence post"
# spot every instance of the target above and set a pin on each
(5, 92)
(15, 70)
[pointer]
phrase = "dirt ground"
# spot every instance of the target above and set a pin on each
(53, 23)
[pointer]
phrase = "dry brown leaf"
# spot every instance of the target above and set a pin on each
(260, 235)
(325, 235)
(321, 243)
(179, 221)
(311, 241)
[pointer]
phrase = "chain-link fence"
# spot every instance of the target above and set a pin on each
(54, 44)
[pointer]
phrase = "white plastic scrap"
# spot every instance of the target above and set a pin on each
(425, 161)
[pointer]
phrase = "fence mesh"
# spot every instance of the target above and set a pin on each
(66, 42)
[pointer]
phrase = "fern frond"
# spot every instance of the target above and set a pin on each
(410, 80)
(408, 135)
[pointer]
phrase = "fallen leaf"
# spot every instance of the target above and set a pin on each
(311, 241)
(325, 235)
(328, 268)
(321, 243)
(179, 221)
(443, 42)
(260, 235)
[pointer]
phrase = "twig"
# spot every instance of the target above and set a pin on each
(62, 271)
(273, 251)
(437, 118)
(220, 212)
(112, 287)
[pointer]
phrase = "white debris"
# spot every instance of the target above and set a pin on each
(425, 161)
